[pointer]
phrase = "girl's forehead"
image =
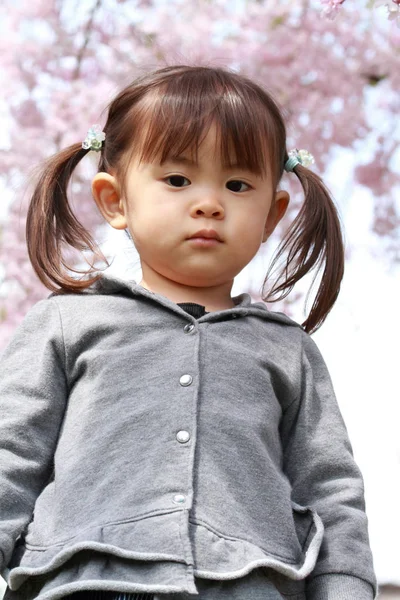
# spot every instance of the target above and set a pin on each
(207, 156)
(192, 141)
(208, 145)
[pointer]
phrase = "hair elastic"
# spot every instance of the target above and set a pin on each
(298, 157)
(94, 139)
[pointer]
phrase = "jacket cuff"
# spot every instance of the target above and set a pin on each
(335, 586)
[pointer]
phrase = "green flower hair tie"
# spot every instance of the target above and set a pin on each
(298, 157)
(94, 139)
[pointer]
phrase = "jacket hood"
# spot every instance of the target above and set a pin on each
(111, 284)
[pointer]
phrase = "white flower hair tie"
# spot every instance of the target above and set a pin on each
(298, 157)
(94, 139)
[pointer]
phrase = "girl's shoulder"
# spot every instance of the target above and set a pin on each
(288, 332)
(277, 316)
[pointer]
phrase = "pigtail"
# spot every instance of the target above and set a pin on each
(50, 223)
(314, 240)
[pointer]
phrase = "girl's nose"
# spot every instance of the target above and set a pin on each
(208, 207)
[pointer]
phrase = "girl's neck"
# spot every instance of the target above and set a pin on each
(213, 298)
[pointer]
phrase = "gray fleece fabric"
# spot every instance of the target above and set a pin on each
(142, 449)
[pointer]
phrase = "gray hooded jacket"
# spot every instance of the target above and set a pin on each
(140, 447)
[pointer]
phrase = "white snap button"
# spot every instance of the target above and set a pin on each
(183, 436)
(186, 380)
(179, 499)
(188, 328)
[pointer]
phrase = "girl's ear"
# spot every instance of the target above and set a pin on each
(278, 208)
(106, 193)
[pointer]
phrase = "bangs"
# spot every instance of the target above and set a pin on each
(179, 112)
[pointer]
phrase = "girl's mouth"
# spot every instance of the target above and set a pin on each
(202, 241)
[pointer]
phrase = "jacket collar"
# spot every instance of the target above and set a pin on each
(111, 284)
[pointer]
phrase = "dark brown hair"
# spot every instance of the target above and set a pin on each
(178, 104)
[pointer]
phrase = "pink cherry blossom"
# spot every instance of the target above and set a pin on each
(331, 7)
(64, 61)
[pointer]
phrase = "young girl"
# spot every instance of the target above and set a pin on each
(164, 439)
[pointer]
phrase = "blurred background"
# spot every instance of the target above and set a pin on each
(334, 68)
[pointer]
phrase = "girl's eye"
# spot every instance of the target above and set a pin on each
(236, 185)
(176, 180)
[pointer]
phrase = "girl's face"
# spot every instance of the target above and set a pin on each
(166, 205)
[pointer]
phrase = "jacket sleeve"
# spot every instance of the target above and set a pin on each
(318, 460)
(33, 392)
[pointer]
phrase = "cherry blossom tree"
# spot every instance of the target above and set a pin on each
(332, 7)
(63, 61)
